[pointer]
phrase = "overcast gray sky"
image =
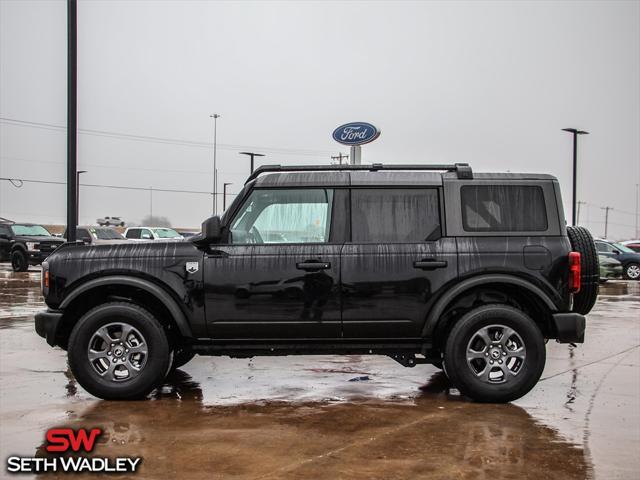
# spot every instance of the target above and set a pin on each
(489, 83)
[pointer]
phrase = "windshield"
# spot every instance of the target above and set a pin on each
(166, 233)
(622, 248)
(30, 230)
(105, 234)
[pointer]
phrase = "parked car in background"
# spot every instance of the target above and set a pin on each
(629, 259)
(152, 233)
(632, 244)
(26, 244)
(609, 268)
(92, 235)
(111, 221)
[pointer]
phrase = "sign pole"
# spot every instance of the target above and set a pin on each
(355, 155)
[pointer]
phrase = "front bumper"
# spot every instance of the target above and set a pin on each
(570, 327)
(36, 257)
(47, 323)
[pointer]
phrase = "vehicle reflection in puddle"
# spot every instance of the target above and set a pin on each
(434, 435)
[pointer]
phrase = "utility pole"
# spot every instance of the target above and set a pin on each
(72, 110)
(78, 194)
(252, 155)
(575, 133)
(215, 117)
(606, 220)
(224, 196)
(578, 214)
(339, 157)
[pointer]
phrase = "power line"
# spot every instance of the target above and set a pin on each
(17, 182)
(164, 140)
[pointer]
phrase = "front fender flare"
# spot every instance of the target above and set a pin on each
(443, 302)
(161, 294)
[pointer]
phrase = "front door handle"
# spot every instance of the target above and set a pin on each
(429, 264)
(311, 265)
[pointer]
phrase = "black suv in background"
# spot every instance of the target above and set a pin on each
(26, 244)
(425, 264)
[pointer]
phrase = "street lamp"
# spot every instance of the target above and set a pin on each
(252, 155)
(78, 194)
(224, 196)
(215, 117)
(575, 133)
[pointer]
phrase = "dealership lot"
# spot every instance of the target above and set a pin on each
(338, 417)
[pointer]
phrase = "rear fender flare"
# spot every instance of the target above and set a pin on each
(158, 292)
(450, 295)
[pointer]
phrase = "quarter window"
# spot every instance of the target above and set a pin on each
(395, 215)
(503, 208)
(284, 216)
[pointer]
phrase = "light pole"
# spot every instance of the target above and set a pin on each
(72, 116)
(224, 196)
(575, 133)
(78, 194)
(252, 155)
(215, 117)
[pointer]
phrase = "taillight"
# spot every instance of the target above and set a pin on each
(574, 272)
(44, 279)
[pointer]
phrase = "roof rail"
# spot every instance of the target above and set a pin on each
(463, 170)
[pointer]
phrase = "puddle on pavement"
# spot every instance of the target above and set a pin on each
(435, 435)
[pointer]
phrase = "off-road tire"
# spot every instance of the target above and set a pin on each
(19, 261)
(629, 271)
(582, 242)
(461, 374)
(152, 373)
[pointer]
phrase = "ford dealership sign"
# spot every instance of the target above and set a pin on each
(355, 133)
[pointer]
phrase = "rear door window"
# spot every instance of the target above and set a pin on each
(390, 215)
(503, 208)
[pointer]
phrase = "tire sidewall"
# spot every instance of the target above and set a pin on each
(156, 365)
(19, 261)
(456, 358)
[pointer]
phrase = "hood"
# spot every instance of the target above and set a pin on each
(124, 249)
(39, 239)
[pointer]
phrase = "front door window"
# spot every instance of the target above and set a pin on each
(278, 216)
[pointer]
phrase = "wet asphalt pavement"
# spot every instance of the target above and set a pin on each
(326, 417)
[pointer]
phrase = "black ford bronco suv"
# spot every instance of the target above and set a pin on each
(433, 264)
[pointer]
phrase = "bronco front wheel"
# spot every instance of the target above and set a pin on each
(118, 351)
(495, 353)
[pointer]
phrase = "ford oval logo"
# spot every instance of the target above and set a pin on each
(355, 133)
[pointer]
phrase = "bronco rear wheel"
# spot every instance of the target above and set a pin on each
(118, 350)
(582, 242)
(495, 353)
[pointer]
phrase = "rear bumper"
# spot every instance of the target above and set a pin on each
(47, 323)
(570, 327)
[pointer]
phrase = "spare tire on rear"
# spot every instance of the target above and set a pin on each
(582, 242)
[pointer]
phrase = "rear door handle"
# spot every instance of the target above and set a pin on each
(429, 264)
(311, 265)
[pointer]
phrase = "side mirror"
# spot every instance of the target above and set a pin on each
(4, 236)
(211, 231)
(616, 252)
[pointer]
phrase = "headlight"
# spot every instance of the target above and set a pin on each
(31, 245)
